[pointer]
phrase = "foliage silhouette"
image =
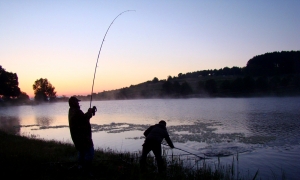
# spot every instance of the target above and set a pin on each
(211, 86)
(43, 90)
(275, 63)
(155, 80)
(9, 85)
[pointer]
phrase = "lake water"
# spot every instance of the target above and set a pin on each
(263, 132)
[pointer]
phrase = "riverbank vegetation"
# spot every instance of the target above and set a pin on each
(24, 157)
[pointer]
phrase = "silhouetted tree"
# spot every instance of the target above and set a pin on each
(43, 90)
(40, 96)
(236, 71)
(225, 86)
(23, 97)
(237, 86)
(176, 87)
(211, 86)
(226, 71)
(201, 85)
(181, 76)
(167, 87)
(155, 80)
(262, 84)
(9, 84)
(274, 83)
(249, 84)
(123, 93)
(186, 88)
(221, 72)
(275, 63)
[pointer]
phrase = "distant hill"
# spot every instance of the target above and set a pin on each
(275, 63)
(269, 74)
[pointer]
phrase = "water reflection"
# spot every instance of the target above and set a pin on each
(217, 120)
(10, 125)
(277, 118)
(44, 121)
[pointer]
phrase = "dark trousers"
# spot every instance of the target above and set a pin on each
(85, 158)
(155, 147)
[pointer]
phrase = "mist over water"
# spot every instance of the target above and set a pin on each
(263, 132)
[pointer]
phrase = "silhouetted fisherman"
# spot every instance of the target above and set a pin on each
(154, 137)
(81, 134)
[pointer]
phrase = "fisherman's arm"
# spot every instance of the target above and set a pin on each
(90, 113)
(170, 143)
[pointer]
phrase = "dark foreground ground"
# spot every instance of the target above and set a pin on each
(27, 158)
(21, 157)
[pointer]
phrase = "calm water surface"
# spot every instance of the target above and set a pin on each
(263, 132)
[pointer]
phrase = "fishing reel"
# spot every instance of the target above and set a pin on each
(94, 110)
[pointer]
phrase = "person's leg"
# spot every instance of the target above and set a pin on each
(81, 155)
(159, 160)
(89, 155)
(88, 159)
(146, 149)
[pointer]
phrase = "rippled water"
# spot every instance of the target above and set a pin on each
(262, 132)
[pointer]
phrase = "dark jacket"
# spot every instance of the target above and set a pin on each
(157, 133)
(80, 128)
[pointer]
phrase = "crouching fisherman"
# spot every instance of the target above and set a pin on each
(81, 134)
(154, 137)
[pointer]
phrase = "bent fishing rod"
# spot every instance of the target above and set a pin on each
(100, 51)
(187, 152)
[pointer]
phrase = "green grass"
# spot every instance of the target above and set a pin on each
(23, 157)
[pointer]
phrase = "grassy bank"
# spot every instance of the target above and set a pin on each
(22, 157)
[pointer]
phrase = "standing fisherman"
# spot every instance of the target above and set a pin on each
(81, 133)
(154, 136)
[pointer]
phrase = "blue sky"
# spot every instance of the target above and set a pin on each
(60, 40)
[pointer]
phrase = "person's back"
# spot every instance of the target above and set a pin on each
(157, 132)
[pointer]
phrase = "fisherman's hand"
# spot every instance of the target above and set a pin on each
(94, 110)
(90, 111)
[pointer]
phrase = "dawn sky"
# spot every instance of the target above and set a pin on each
(60, 40)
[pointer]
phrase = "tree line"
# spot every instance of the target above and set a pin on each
(10, 91)
(276, 73)
(212, 86)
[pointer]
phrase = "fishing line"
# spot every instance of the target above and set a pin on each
(100, 51)
(187, 152)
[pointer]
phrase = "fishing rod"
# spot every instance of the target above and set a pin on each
(187, 152)
(100, 51)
